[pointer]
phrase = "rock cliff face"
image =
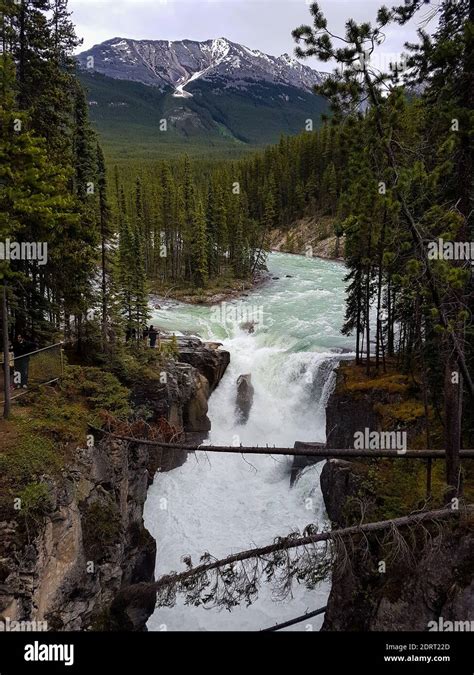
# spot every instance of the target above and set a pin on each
(91, 544)
(67, 568)
(431, 582)
(182, 399)
(310, 236)
(211, 363)
(355, 406)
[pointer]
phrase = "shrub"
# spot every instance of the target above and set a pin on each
(35, 500)
(102, 390)
(30, 457)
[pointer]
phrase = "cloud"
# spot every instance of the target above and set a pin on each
(258, 24)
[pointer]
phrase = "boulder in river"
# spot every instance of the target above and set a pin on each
(248, 326)
(341, 350)
(244, 400)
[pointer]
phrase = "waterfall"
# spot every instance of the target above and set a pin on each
(225, 503)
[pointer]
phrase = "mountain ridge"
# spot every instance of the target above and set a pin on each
(176, 63)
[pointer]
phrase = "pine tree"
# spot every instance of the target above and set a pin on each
(139, 283)
(329, 189)
(199, 264)
(106, 232)
(212, 232)
(34, 205)
(131, 275)
(220, 215)
(238, 249)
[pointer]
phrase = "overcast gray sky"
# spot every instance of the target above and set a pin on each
(258, 24)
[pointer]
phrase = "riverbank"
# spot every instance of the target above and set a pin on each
(226, 288)
(312, 237)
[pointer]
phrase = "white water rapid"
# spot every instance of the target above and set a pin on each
(225, 503)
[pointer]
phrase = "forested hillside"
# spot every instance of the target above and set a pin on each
(212, 123)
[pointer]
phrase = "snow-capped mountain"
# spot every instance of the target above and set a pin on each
(212, 98)
(177, 64)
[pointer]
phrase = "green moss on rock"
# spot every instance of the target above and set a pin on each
(101, 529)
(404, 413)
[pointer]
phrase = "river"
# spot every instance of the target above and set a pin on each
(225, 503)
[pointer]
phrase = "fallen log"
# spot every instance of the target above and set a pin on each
(301, 449)
(292, 542)
(292, 622)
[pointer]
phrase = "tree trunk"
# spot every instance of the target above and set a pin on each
(358, 330)
(390, 319)
(104, 289)
(379, 292)
(453, 408)
(284, 544)
(6, 354)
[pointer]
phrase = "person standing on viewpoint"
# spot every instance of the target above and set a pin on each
(152, 334)
(21, 350)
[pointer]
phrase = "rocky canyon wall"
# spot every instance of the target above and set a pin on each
(67, 567)
(434, 577)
